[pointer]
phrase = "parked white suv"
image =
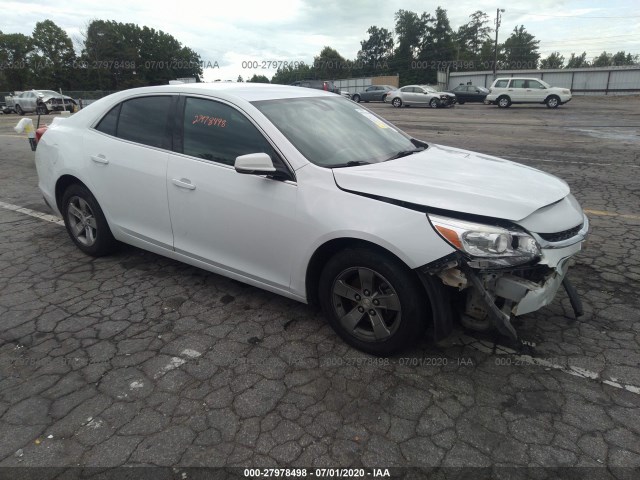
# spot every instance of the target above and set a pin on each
(505, 91)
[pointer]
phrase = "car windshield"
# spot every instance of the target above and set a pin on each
(429, 89)
(546, 85)
(47, 92)
(335, 132)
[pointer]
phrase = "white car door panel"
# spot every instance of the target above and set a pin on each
(128, 169)
(242, 223)
(129, 182)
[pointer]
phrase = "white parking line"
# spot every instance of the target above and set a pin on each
(33, 213)
(488, 347)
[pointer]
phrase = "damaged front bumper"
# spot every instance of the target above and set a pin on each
(492, 296)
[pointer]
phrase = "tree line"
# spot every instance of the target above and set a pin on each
(426, 43)
(113, 56)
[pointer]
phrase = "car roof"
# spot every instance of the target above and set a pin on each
(230, 90)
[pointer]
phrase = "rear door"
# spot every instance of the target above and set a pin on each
(517, 90)
(127, 155)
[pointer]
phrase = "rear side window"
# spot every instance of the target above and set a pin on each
(109, 122)
(144, 120)
(217, 132)
(501, 84)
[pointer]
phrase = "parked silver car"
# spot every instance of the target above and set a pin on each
(420, 95)
(38, 101)
(373, 93)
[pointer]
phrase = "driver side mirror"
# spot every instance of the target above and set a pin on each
(254, 164)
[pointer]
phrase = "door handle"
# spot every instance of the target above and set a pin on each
(183, 183)
(100, 159)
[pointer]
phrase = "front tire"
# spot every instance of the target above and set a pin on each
(503, 102)
(396, 102)
(373, 301)
(552, 102)
(434, 103)
(356, 98)
(85, 222)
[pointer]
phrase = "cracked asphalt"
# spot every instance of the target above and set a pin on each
(135, 359)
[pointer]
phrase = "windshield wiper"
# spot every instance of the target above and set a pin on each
(405, 153)
(352, 163)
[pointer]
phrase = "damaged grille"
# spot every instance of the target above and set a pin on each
(564, 235)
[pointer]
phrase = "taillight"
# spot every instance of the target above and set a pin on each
(39, 132)
(325, 86)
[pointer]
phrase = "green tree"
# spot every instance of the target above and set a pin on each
(123, 55)
(603, 60)
(621, 58)
(286, 75)
(258, 79)
(521, 49)
(54, 57)
(376, 50)
(329, 64)
(438, 48)
(471, 36)
(578, 61)
(409, 29)
(15, 52)
(554, 60)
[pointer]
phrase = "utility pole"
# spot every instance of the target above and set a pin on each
(495, 53)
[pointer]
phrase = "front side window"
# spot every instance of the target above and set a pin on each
(535, 84)
(217, 132)
(518, 84)
(332, 132)
(144, 120)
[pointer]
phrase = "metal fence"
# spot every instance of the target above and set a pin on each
(581, 81)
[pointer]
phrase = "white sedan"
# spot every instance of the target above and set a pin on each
(309, 195)
(420, 95)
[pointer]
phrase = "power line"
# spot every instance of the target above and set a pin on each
(570, 16)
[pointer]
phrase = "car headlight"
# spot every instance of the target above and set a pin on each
(487, 245)
(566, 91)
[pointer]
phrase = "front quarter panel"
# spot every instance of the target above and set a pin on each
(326, 213)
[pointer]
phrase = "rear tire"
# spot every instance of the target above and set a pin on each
(503, 102)
(396, 102)
(460, 102)
(85, 222)
(19, 110)
(373, 301)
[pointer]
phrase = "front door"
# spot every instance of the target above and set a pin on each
(243, 224)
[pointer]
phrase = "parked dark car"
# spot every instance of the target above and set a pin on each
(373, 93)
(469, 93)
(326, 85)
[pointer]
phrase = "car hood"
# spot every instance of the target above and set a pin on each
(457, 180)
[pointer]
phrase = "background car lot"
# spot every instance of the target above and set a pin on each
(136, 359)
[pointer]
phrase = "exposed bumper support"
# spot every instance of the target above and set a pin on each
(501, 320)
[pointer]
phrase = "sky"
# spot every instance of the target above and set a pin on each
(237, 35)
